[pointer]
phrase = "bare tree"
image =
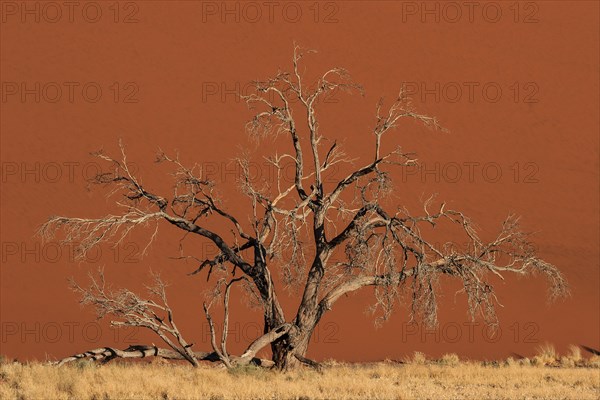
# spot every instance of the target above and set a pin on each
(155, 314)
(323, 240)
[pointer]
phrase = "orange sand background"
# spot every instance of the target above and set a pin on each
(178, 62)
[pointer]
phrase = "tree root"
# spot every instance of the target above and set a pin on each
(309, 362)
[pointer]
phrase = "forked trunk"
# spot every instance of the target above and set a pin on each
(288, 352)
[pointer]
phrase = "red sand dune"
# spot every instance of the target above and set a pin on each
(174, 70)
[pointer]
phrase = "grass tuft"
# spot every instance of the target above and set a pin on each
(448, 378)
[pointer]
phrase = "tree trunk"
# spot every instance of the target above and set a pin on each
(290, 350)
(298, 345)
(273, 313)
(279, 349)
(279, 346)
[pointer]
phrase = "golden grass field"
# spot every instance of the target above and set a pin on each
(448, 378)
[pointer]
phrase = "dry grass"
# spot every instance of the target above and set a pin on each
(447, 378)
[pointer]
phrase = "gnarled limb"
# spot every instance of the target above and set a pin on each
(221, 352)
(265, 340)
(106, 354)
(309, 362)
(132, 310)
(135, 311)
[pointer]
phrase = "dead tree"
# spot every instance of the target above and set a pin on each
(324, 240)
(156, 315)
